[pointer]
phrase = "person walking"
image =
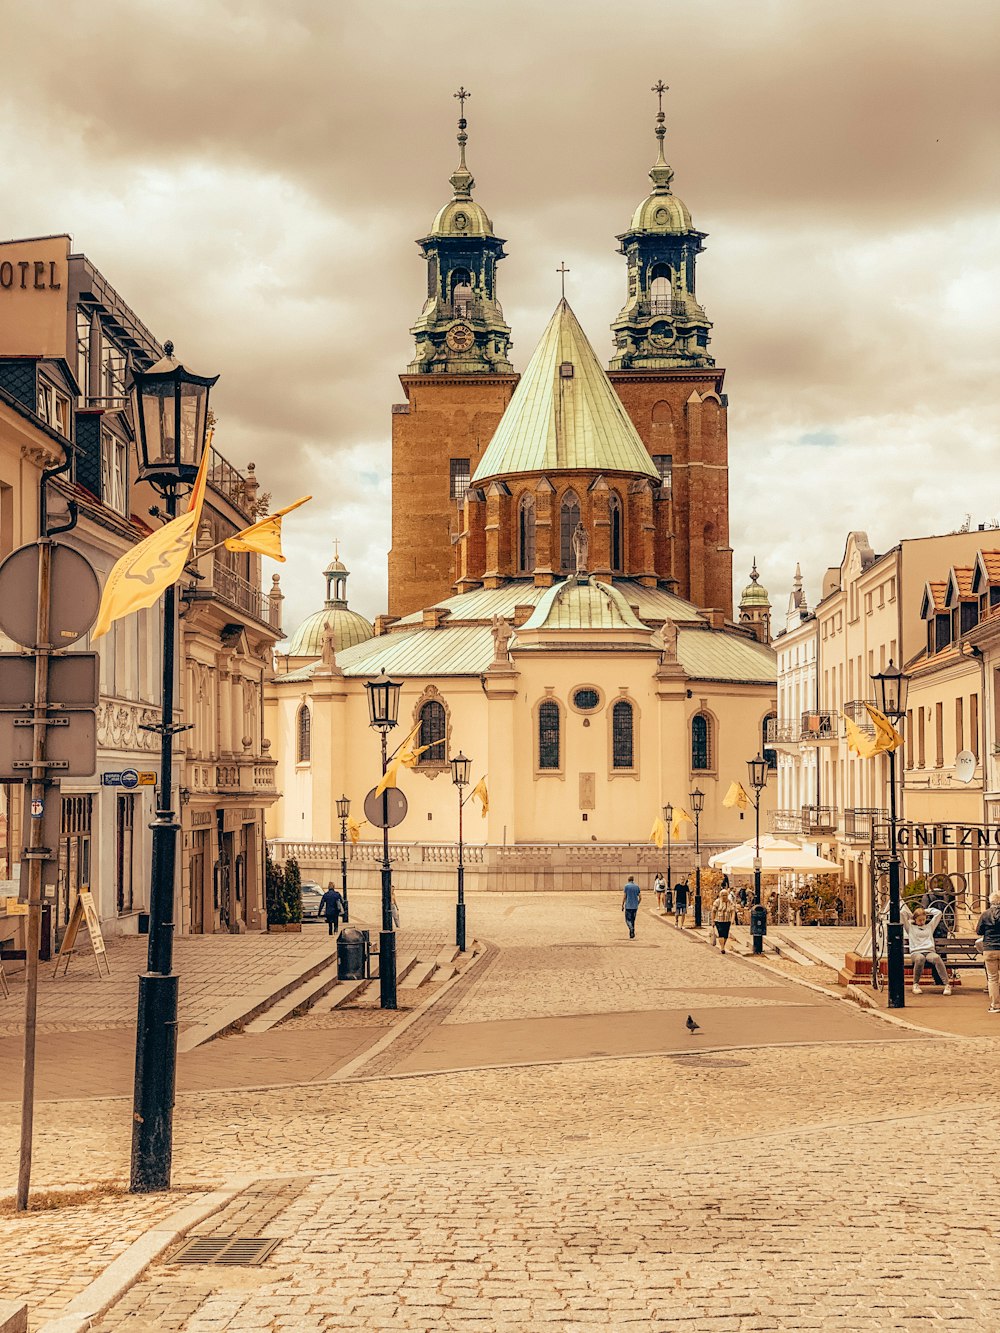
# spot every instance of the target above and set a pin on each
(989, 928)
(680, 903)
(331, 905)
(723, 911)
(631, 898)
(919, 927)
(659, 888)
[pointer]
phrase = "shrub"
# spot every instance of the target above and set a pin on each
(274, 892)
(293, 891)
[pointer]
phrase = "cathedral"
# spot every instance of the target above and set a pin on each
(560, 582)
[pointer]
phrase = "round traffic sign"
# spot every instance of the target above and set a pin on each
(129, 778)
(387, 813)
(74, 595)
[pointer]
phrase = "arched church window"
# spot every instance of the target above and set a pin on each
(659, 290)
(548, 734)
(569, 517)
(622, 739)
(526, 535)
(701, 742)
(432, 732)
(303, 735)
(461, 293)
(615, 513)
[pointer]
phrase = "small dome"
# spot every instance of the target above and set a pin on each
(663, 213)
(349, 628)
(462, 217)
(336, 566)
(754, 594)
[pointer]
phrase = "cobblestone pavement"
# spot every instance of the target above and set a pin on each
(769, 1187)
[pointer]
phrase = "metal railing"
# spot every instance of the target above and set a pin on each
(819, 725)
(856, 710)
(779, 732)
(786, 821)
(859, 822)
(230, 481)
(240, 593)
(819, 819)
(671, 305)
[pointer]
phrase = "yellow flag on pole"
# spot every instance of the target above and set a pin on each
(886, 736)
(658, 832)
(859, 741)
(264, 536)
(354, 827)
(736, 796)
(680, 817)
(482, 795)
(141, 575)
(406, 757)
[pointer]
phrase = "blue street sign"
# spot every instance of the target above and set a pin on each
(129, 778)
(111, 779)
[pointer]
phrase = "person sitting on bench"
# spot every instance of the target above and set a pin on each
(919, 926)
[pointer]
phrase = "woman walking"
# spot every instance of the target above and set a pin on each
(989, 928)
(723, 911)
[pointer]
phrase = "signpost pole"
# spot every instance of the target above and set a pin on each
(35, 857)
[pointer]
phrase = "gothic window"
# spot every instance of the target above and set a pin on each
(770, 755)
(526, 535)
(615, 512)
(432, 732)
(701, 742)
(569, 517)
(303, 731)
(622, 750)
(659, 290)
(548, 735)
(460, 478)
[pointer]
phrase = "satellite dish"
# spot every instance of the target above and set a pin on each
(965, 765)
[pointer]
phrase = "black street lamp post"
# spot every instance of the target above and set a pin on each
(170, 415)
(383, 711)
(668, 819)
(460, 777)
(891, 686)
(343, 810)
(697, 805)
(757, 769)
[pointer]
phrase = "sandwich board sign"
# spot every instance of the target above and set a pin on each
(84, 913)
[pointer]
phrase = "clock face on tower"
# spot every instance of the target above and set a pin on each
(460, 338)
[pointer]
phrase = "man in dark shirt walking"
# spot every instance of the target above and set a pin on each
(631, 898)
(331, 905)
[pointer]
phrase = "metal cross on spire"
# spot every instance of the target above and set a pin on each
(659, 87)
(562, 270)
(462, 95)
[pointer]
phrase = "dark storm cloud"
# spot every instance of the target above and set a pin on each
(252, 177)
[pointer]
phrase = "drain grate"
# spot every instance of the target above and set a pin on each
(710, 1062)
(245, 1250)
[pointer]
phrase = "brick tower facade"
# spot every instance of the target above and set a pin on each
(457, 386)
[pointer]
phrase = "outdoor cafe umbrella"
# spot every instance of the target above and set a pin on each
(777, 855)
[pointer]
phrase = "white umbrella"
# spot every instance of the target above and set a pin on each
(776, 855)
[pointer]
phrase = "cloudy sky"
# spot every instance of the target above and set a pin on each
(251, 177)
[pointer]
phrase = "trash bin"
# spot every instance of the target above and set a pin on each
(758, 920)
(352, 954)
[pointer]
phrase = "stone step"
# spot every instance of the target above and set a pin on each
(340, 994)
(305, 995)
(256, 999)
(417, 975)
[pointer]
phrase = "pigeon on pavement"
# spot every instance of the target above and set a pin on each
(692, 1026)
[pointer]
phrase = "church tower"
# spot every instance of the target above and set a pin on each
(457, 385)
(672, 390)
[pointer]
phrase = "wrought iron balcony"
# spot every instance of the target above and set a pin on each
(859, 822)
(238, 592)
(818, 819)
(780, 732)
(857, 711)
(819, 726)
(786, 821)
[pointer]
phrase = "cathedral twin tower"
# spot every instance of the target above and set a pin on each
(492, 473)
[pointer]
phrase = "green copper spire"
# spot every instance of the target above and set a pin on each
(462, 181)
(660, 174)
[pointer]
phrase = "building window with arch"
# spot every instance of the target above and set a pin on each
(548, 735)
(303, 735)
(433, 729)
(569, 517)
(622, 735)
(526, 535)
(701, 742)
(771, 756)
(660, 290)
(615, 515)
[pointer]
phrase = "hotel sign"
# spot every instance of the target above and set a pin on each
(34, 291)
(948, 835)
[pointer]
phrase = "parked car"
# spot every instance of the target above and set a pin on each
(312, 894)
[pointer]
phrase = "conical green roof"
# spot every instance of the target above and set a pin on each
(564, 414)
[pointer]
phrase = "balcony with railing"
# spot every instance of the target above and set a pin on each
(242, 595)
(230, 482)
(819, 727)
(671, 306)
(857, 711)
(780, 732)
(786, 821)
(859, 822)
(818, 820)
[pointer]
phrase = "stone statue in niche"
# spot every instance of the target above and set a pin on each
(502, 635)
(581, 548)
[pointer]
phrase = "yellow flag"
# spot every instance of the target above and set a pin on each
(736, 795)
(680, 817)
(264, 536)
(658, 831)
(141, 575)
(354, 828)
(482, 795)
(406, 757)
(886, 736)
(859, 741)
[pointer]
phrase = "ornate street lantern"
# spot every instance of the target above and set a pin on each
(460, 770)
(891, 686)
(170, 415)
(383, 701)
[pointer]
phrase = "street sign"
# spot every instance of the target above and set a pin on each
(72, 681)
(75, 596)
(395, 808)
(128, 777)
(70, 745)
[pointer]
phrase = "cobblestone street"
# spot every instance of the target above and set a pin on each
(546, 1145)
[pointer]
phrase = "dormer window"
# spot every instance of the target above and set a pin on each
(114, 472)
(566, 370)
(52, 406)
